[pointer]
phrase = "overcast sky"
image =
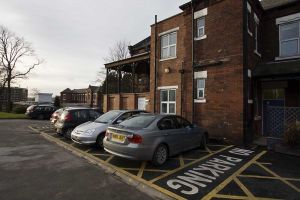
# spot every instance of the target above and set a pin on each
(73, 36)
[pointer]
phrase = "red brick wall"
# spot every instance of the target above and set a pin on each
(222, 114)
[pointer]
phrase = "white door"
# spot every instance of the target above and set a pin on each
(142, 103)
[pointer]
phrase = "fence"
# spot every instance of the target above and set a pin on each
(281, 119)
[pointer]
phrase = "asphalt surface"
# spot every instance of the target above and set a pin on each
(33, 168)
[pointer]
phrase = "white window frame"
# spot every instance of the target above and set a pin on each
(168, 47)
(286, 40)
(199, 28)
(249, 10)
(199, 89)
(167, 102)
(201, 14)
(256, 20)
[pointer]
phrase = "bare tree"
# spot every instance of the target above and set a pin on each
(117, 52)
(17, 60)
(34, 92)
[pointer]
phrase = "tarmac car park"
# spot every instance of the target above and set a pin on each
(220, 171)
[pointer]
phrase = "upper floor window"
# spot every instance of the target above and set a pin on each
(199, 17)
(256, 34)
(168, 45)
(289, 39)
(200, 23)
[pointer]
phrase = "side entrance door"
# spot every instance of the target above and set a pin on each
(272, 99)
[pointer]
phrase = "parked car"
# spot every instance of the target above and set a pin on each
(94, 132)
(153, 137)
(40, 111)
(55, 116)
(72, 117)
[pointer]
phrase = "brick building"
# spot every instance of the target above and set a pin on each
(90, 96)
(17, 94)
(218, 63)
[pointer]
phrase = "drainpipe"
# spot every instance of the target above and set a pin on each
(181, 88)
(193, 93)
(155, 64)
(245, 74)
(106, 89)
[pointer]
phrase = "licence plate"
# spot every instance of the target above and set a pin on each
(118, 138)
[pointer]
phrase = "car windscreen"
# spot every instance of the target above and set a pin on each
(140, 121)
(107, 117)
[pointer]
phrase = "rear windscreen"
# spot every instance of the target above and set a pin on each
(140, 121)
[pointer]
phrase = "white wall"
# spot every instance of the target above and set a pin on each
(43, 98)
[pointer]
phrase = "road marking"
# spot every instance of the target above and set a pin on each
(265, 163)
(212, 193)
(88, 150)
(222, 196)
(278, 177)
(268, 177)
(242, 186)
(145, 170)
(109, 159)
(181, 161)
(208, 150)
(189, 164)
(141, 170)
(100, 154)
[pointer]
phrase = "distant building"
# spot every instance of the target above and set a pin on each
(17, 94)
(43, 98)
(90, 96)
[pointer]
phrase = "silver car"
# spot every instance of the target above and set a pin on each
(153, 137)
(93, 132)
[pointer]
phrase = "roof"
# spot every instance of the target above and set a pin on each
(132, 59)
(142, 44)
(269, 4)
(282, 68)
(67, 90)
(79, 90)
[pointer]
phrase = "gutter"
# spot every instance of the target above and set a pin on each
(193, 70)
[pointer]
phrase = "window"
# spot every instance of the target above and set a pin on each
(256, 36)
(168, 45)
(249, 9)
(200, 88)
(166, 124)
(289, 38)
(168, 101)
(200, 23)
(182, 123)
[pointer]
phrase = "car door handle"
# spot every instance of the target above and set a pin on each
(165, 134)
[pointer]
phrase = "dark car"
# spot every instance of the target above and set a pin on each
(72, 117)
(40, 111)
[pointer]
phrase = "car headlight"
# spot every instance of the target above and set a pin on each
(89, 132)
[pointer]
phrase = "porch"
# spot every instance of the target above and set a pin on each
(277, 98)
(128, 83)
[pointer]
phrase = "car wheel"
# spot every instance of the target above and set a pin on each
(99, 141)
(160, 155)
(68, 133)
(40, 117)
(204, 141)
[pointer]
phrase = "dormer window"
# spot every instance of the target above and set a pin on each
(289, 36)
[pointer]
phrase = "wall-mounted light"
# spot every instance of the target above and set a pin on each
(167, 70)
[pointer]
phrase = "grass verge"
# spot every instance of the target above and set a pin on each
(5, 115)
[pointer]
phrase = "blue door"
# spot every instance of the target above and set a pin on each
(273, 117)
